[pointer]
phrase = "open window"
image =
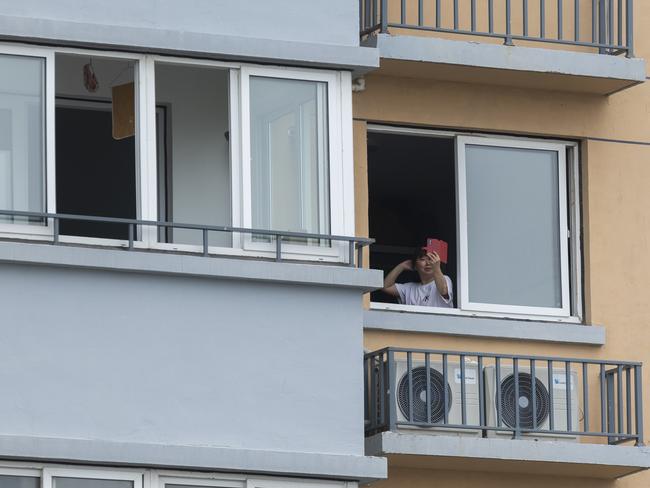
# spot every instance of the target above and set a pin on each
(108, 135)
(502, 205)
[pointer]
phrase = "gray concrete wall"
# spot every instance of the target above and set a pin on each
(178, 360)
(296, 32)
(330, 22)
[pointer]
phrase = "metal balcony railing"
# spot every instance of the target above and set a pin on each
(133, 226)
(605, 25)
(493, 395)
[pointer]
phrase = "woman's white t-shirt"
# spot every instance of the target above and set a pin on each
(425, 295)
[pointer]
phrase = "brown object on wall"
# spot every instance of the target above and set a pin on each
(123, 111)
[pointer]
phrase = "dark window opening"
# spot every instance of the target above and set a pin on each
(412, 197)
(95, 173)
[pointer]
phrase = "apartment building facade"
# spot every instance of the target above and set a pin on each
(200, 201)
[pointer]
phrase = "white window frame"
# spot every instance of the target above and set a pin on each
(461, 186)
(338, 197)
(49, 473)
(25, 231)
(572, 292)
(341, 172)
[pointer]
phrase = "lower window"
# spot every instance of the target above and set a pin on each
(502, 207)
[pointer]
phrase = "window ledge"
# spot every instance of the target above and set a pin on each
(509, 455)
(197, 266)
(304, 464)
(500, 328)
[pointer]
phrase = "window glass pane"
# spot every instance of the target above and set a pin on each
(289, 155)
(60, 482)
(19, 482)
(193, 122)
(513, 226)
(22, 107)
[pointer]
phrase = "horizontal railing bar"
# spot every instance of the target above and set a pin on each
(514, 36)
(214, 228)
(522, 430)
(505, 356)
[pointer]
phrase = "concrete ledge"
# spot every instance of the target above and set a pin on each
(178, 264)
(505, 455)
(477, 62)
(333, 466)
(181, 43)
(460, 325)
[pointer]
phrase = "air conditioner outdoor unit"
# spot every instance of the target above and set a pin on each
(542, 400)
(436, 385)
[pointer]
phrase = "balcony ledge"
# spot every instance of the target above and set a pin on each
(68, 256)
(207, 458)
(525, 67)
(509, 456)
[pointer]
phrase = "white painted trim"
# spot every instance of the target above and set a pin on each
(463, 296)
(264, 482)
(27, 472)
(160, 480)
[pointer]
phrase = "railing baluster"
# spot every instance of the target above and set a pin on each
(542, 19)
(497, 371)
(359, 257)
(576, 20)
(638, 404)
(444, 389)
(371, 397)
(382, 389)
(533, 391)
(491, 16)
(619, 396)
(594, 21)
(515, 369)
(508, 40)
(628, 400)
(602, 25)
(205, 242)
(525, 18)
(130, 237)
(55, 230)
(392, 412)
(560, 13)
(463, 392)
(420, 13)
(438, 19)
(427, 366)
(569, 419)
(409, 371)
(481, 392)
(610, 36)
(585, 396)
(629, 28)
(473, 7)
(403, 13)
(603, 400)
(278, 247)
(620, 22)
(351, 253)
(367, 14)
(455, 14)
(551, 417)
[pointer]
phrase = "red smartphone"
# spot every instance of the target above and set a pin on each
(438, 246)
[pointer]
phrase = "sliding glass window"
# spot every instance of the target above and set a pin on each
(22, 138)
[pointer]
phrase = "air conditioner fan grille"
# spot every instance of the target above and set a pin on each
(524, 402)
(436, 385)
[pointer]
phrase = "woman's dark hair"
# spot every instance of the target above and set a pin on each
(417, 254)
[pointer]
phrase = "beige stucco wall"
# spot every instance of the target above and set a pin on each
(615, 204)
